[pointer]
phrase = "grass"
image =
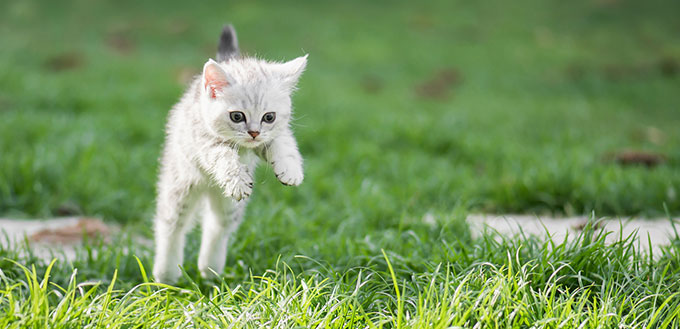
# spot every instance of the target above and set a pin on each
(436, 108)
(493, 281)
(498, 107)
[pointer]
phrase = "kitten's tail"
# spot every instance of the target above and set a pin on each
(228, 44)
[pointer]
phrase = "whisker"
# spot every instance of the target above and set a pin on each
(298, 125)
(294, 121)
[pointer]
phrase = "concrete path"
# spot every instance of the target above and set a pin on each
(660, 230)
(65, 234)
(56, 235)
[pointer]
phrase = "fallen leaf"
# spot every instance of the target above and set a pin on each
(91, 227)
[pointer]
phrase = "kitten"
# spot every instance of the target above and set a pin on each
(236, 112)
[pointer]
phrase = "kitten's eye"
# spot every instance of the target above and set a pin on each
(237, 116)
(269, 117)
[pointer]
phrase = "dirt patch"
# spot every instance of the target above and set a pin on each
(669, 66)
(64, 62)
(120, 42)
(58, 235)
(440, 84)
(421, 21)
(663, 66)
(70, 234)
(371, 84)
(636, 158)
(177, 26)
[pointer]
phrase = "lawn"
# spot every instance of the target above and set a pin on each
(407, 109)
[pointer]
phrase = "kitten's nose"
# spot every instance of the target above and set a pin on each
(253, 133)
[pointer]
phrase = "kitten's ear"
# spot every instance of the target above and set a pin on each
(291, 71)
(214, 79)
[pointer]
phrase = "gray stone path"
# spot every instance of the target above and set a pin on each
(65, 234)
(660, 230)
(54, 235)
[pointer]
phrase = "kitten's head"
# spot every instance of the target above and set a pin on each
(247, 101)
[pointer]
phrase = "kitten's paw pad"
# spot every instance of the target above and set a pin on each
(242, 187)
(289, 172)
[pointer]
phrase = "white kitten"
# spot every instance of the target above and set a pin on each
(237, 111)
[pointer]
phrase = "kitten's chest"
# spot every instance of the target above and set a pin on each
(247, 157)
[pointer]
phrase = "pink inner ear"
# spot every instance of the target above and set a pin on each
(215, 80)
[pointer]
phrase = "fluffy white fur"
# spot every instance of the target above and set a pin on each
(208, 159)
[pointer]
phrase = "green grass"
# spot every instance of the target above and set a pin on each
(544, 93)
(491, 282)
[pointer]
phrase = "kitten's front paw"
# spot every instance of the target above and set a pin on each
(288, 172)
(242, 186)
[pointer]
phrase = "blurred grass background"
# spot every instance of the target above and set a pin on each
(406, 107)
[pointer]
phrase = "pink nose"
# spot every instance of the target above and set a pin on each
(254, 133)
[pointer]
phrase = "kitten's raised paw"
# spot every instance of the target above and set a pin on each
(242, 186)
(289, 172)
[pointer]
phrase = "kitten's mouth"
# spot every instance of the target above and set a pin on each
(251, 142)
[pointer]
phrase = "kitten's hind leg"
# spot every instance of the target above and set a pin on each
(174, 214)
(221, 217)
